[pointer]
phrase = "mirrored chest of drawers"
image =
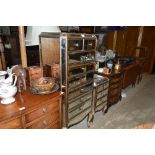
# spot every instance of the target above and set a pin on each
(100, 95)
(32, 112)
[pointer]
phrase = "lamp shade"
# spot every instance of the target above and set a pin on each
(33, 32)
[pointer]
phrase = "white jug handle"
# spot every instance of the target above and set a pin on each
(15, 80)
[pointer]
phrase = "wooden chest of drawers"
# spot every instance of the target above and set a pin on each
(32, 112)
(115, 86)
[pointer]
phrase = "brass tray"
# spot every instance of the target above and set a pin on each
(37, 92)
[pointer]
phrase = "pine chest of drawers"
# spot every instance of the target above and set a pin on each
(32, 112)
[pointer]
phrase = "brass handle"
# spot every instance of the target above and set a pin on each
(44, 110)
(45, 122)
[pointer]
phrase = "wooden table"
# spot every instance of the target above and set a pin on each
(32, 111)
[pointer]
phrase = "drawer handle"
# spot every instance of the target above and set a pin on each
(90, 44)
(76, 44)
(45, 122)
(44, 110)
(82, 91)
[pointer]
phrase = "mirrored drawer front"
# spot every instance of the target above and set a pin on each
(81, 91)
(102, 88)
(102, 100)
(89, 44)
(54, 105)
(45, 122)
(102, 94)
(79, 108)
(73, 104)
(100, 106)
(75, 45)
(14, 123)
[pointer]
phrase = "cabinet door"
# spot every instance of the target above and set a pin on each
(120, 42)
(109, 38)
(50, 49)
(148, 40)
(131, 40)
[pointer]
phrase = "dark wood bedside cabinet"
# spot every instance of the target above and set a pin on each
(115, 86)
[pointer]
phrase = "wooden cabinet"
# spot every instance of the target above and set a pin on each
(78, 67)
(11, 123)
(32, 112)
(115, 86)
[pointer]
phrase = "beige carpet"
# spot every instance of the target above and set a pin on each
(137, 108)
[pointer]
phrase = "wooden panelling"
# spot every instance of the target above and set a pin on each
(131, 40)
(120, 42)
(109, 38)
(50, 48)
(148, 40)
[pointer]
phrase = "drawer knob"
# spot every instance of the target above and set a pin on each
(82, 90)
(45, 122)
(76, 44)
(44, 110)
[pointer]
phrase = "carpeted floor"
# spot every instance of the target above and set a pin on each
(137, 108)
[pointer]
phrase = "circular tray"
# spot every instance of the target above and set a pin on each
(35, 91)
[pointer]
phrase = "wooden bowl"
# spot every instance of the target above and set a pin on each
(43, 84)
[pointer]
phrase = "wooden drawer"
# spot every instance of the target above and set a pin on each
(115, 80)
(55, 125)
(79, 101)
(115, 85)
(113, 100)
(49, 107)
(45, 121)
(113, 92)
(81, 91)
(79, 108)
(14, 123)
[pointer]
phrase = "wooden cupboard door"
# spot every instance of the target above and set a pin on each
(120, 42)
(50, 50)
(109, 38)
(148, 40)
(131, 40)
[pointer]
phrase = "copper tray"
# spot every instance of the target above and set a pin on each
(53, 89)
